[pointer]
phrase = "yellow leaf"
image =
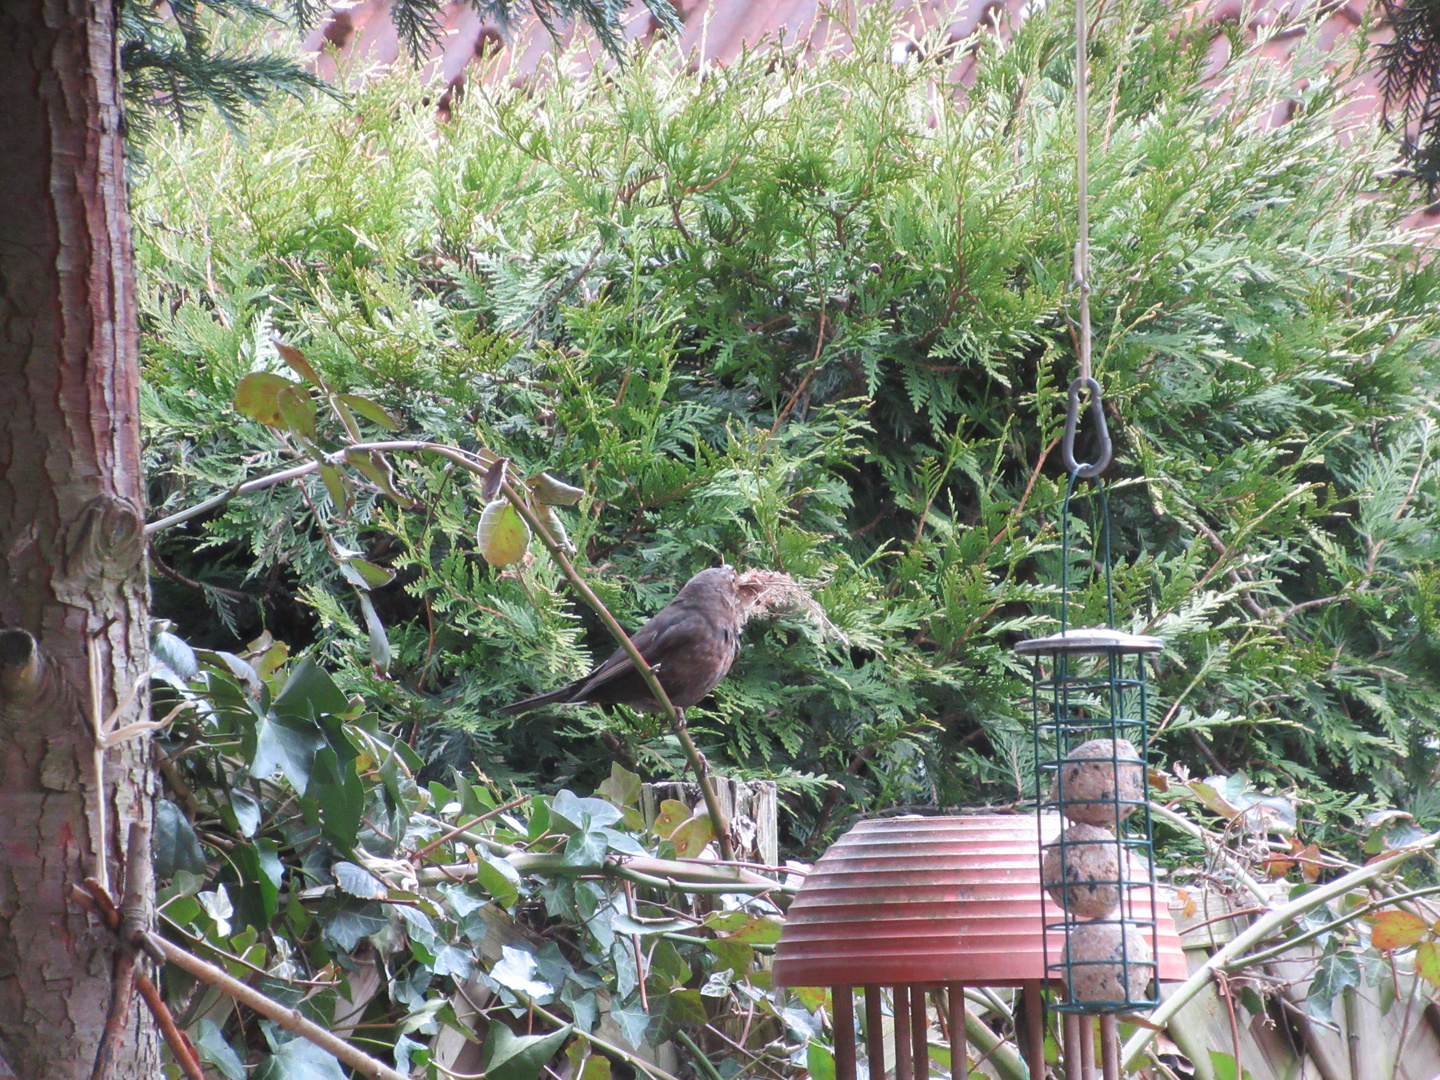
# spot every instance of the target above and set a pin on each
(1427, 962)
(503, 535)
(691, 837)
(672, 814)
(257, 395)
(1397, 930)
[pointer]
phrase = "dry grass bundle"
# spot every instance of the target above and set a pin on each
(765, 593)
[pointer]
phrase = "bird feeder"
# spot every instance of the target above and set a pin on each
(914, 910)
(1090, 725)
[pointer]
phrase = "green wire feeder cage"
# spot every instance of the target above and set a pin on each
(1090, 720)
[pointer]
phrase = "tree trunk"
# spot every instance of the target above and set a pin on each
(72, 556)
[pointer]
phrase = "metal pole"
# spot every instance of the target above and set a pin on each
(959, 1045)
(844, 1018)
(900, 1005)
(1109, 1046)
(1074, 1057)
(874, 1032)
(920, 1032)
(1034, 1029)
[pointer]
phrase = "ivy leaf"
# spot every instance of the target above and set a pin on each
(310, 692)
(176, 654)
(499, 879)
(246, 809)
(685, 1007)
(517, 970)
(519, 1057)
(621, 788)
(453, 961)
(583, 814)
(820, 1061)
(300, 1059)
(350, 926)
(633, 1025)
(357, 881)
(211, 1044)
(176, 845)
(288, 746)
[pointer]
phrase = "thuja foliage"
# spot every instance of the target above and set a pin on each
(812, 313)
(177, 65)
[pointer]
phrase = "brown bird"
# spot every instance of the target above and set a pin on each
(690, 644)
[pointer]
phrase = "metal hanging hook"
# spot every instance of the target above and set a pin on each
(1086, 470)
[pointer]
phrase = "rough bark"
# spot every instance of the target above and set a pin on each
(72, 565)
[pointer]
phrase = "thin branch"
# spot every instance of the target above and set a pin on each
(287, 1018)
(1257, 932)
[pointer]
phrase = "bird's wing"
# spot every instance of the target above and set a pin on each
(655, 639)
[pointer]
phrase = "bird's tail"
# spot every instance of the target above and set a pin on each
(525, 705)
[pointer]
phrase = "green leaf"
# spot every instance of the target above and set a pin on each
(296, 359)
(633, 1024)
(300, 1059)
(380, 653)
(213, 1048)
(691, 837)
(453, 961)
(686, 1007)
(357, 881)
(309, 692)
(516, 969)
(261, 873)
(519, 1057)
(502, 536)
(820, 1061)
(1224, 1066)
(286, 744)
(372, 412)
(365, 575)
(176, 845)
(375, 467)
(246, 809)
(296, 411)
(582, 814)
(498, 878)
(337, 485)
(551, 492)
(622, 788)
(352, 925)
(176, 654)
(732, 955)
(257, 395)
(338, 796)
